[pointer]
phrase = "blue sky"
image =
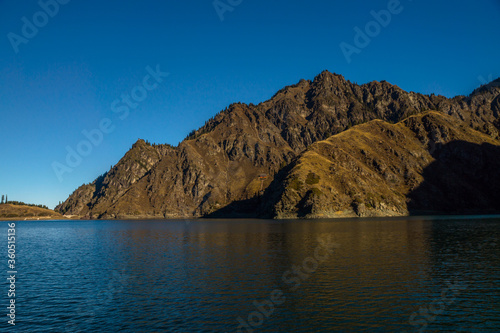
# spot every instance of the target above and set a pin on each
(64, 78)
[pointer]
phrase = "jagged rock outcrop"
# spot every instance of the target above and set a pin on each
(220, 164)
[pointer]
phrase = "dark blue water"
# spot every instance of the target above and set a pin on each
(437, 275)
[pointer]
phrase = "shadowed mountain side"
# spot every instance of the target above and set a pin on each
(239, 209)
(256, 207)
(463, 179)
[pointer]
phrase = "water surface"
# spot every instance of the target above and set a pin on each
(383, 275)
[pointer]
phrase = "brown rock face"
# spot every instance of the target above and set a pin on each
(215, 171)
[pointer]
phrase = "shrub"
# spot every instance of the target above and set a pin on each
(312, 179)
(296, 184)
(316, 191)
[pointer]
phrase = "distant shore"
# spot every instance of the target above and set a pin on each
(10, 212)
(157, 218)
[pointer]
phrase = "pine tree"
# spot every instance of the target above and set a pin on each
(6, 200)
(2, 199)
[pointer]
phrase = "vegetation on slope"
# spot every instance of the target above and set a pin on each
(17, 211)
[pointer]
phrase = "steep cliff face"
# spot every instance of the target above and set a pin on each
(221, 163)
(429, 163)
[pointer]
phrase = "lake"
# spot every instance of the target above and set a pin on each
(355, 275)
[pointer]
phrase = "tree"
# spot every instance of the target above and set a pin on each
(2, 199)
(6, 200)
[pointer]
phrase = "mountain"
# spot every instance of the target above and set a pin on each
(244, 156)
(430, 163)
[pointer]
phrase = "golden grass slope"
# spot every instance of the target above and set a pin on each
(372, 169)
(16, 212)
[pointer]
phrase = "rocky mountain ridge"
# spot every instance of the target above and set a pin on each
(242, 150)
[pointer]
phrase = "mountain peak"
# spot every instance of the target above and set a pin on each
(494, 83)
(488, 87)
(328, 77)
(139, 143)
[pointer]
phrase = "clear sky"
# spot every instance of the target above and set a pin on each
(70, 69)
